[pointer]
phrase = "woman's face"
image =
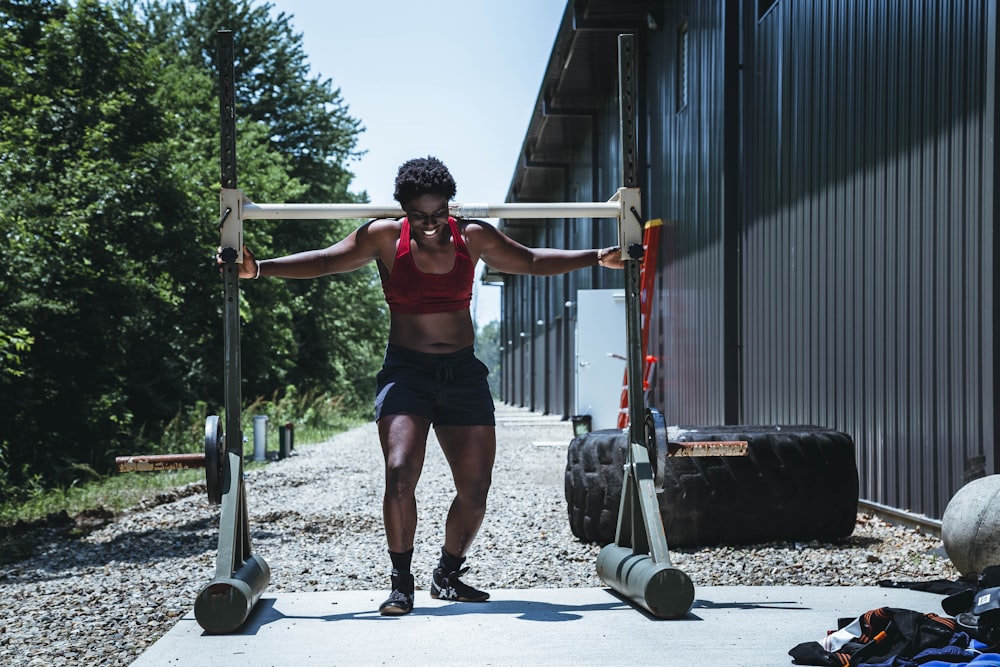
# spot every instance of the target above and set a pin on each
(428, 216)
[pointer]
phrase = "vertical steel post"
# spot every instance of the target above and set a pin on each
(230, 269)
(633, 262)
(240, 577)
(637, 564)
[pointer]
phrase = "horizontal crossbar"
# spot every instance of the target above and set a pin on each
(253, 211)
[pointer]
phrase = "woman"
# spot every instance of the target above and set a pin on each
(430, 376)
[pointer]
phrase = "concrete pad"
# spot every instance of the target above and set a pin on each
(731, 625)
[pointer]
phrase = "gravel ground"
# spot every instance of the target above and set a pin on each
(316, 519)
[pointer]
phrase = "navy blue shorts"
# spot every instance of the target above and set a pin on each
(448, 389)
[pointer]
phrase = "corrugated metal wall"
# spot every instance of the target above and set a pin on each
(867, 255)
(686, 188)
(539, 356)
(826, 173)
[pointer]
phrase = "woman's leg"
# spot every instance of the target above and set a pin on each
(470, 451)
(404, 442)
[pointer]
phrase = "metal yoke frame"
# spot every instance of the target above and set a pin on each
(637, 565)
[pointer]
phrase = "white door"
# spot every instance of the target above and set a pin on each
(601, 348)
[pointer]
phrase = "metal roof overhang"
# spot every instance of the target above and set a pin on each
(583, 66)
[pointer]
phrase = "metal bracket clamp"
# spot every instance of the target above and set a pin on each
(231, 220)
(630, 222)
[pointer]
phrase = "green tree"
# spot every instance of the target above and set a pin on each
(83, 188)
(12, 345)
(110, 299)
(326, 332)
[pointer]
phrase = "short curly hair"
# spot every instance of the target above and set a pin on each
(423, 176)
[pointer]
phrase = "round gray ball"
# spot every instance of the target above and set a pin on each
(970, 527)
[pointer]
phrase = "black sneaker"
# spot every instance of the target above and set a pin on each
(400, 600)
(448, 586)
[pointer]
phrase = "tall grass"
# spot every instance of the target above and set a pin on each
(314, 416)
(113, 493)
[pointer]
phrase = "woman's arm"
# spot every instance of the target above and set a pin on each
(505, 254)
(349, 254)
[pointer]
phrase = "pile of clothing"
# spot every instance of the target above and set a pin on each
(890, 637)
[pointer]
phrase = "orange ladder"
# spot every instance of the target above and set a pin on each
(647, 279)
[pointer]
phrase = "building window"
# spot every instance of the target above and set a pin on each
(682, 67)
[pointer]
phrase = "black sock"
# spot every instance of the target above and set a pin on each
(401, 561)
(450, 563)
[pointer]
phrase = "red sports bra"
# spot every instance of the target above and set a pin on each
(409, 290)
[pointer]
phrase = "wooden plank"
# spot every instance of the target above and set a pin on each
(708, 448)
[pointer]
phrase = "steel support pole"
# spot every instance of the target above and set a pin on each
(240, 577)
(637, 565)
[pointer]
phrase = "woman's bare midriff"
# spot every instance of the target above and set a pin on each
(433, 333)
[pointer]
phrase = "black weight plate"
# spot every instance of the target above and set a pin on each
(656, 445)
(215, 453)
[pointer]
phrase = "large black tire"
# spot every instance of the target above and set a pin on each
(797, 483)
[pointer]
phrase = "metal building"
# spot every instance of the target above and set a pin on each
(825, 170)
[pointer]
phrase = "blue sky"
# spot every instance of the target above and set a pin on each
(456, 79)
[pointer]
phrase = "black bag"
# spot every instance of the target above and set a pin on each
(977, 610)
